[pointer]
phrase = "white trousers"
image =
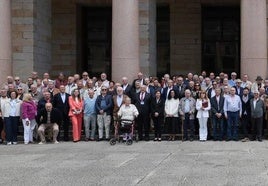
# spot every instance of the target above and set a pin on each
(203, 128)
(104, 120)
(28, 130)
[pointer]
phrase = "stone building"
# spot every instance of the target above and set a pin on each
(122, 37)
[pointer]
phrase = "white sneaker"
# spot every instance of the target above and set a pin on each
(41, 143)
(9, 143)
(56, 142)
(15, 143)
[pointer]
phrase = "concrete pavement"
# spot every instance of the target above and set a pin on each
(143, 163)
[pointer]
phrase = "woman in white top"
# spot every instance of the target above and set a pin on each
(171, 112)
(203, 107)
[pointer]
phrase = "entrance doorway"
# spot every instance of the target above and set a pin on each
(94, 40)
(221, 39)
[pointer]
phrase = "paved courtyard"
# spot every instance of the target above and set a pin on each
(143, 163)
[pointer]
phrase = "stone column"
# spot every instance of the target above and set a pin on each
(5, 40)
(253, 38)
(125, 39)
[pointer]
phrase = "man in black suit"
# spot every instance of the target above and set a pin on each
(61, 102)
(238, 88)
(217, 112)
(126, 87)
(246, 113)
(181, 87)
(143, 104)
(48, 117)
(166, 90)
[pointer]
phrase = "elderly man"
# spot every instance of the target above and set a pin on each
(187, 112)
(257, 112)
(48, 118)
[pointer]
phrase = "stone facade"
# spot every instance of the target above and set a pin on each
(31, 36)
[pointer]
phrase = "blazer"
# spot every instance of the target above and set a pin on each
(240, 89)
(192, 108)
(58, 103)
(157, 107)
(7, 108)
(55, 116)
(165, 90)
(75, 106)
(215, 108)
(259, 109)
(172, 107)
(246, 105)
(181, 90)
(143, 108)
(127, 91)
(202, 113)
(109, 104)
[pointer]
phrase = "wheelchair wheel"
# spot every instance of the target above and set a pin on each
(112, 141)
(129, 142)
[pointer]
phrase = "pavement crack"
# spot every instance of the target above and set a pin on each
(153, 170)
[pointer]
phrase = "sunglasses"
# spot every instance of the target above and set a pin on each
(103, 89)
(17, 80)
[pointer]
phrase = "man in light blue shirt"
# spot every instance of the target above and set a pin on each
(232, 112)
(90, 115)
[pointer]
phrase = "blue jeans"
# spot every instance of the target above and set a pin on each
(233, 119)
(218, 128)
(11, 128)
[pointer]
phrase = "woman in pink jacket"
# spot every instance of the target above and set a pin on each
(76, 114)
(28, 111)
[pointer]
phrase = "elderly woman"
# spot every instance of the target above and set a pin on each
(128, 111)
(28, 113)
(11, 114)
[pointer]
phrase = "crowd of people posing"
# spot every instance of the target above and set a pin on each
(207, 106)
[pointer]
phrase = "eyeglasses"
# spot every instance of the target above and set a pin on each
(17, 80)
(103, 89)
(19, 89)
(84, 75)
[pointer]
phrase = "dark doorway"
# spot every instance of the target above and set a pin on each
(96, 37)
(163, 40)
(221, 39)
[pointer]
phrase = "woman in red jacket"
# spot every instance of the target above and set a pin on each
(76, 114)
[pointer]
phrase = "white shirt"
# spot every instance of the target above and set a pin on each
(128, 112)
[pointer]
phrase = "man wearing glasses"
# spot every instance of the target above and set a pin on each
(104, 107)
(85, 78)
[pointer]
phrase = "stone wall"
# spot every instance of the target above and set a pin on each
(31, 36)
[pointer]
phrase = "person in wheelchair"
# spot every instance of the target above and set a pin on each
(128, 111)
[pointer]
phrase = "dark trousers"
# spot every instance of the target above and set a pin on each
(1, 127)
(143, 125)
(232, 128)
(188, 124)
(257, 127)
(218, 128)
(158, 122)
(245, 121)
(11, 127)
(65, 126)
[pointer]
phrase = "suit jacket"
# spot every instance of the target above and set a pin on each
(165, 90)
(144, 108)
(259, 109)
(240, 91)
(157, 107)
(75, 106)
(117, 107)
(127, 91)
(246, 105)
(109, 104)
(181, 90)
(55, 116)
(215, 107)
(192, 108)
(62, 107)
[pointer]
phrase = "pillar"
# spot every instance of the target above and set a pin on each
(253, 38)
(5, 40)
(125, 39)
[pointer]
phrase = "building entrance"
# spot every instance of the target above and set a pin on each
(221, 39)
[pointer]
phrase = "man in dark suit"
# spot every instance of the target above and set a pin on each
(126, 87)
(238, 88)
(48, 117)
(181, 87)
(60, 101)
(246, 113)
(143, 104)
(166, 90)
(217, 112)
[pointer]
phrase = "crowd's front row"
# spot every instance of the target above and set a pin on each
(224, 112)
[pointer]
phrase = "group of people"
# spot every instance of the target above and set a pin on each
(204, 105)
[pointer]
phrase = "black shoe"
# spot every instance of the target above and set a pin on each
(227, 139)
(260, 140)
(147, 139)
(191, 139)
(99, 139)
(185, 139)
